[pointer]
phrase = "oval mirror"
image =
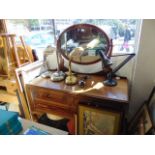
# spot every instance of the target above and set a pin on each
(82, 42)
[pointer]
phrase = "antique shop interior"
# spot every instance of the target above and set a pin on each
(77, 77)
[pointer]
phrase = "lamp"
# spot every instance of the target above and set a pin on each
(71, 79)
(107, 62)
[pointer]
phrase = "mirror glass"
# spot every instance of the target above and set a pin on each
(82, 42)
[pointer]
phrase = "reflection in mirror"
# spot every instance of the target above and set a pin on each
(87, 40)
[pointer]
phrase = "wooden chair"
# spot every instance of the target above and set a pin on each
(12, 57)
(15, 56)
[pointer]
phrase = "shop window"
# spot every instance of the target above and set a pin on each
(39, 33)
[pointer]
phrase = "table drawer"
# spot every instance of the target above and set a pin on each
(54, 109)
(49, 98)
(48, 95)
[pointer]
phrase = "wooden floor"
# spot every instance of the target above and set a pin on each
(6, 97)
(11, 99)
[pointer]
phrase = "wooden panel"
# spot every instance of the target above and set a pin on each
(24, 75)
(44, 108)
(66, 105)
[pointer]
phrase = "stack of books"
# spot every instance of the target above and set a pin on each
(9, 123)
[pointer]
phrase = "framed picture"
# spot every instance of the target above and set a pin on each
(151, 106)
(96, 121)
(141, 123)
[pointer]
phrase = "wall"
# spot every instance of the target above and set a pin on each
(144, 72)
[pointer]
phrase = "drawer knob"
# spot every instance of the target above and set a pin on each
(48, 95)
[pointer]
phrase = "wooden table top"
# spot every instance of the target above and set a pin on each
(94, 88)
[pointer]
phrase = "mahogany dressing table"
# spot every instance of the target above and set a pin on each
(58, 98)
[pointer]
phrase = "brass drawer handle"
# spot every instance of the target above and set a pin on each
(42, 105)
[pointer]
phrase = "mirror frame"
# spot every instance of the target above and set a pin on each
(82, 68)
(109, 42)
